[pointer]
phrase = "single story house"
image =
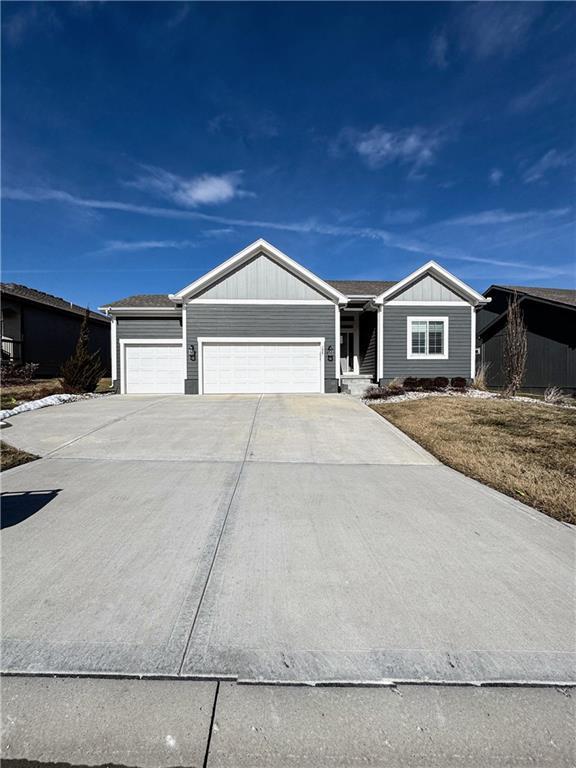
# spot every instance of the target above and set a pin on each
(40, 328)
(550, 318)
(261, 322)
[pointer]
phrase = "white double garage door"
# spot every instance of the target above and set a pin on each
(227, 366)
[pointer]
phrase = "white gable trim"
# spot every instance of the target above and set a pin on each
(434, 269)
(259, 246)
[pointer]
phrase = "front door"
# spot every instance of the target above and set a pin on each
(347, 351)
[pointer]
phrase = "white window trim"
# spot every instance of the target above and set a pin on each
(201, 340)
(416, 318)
(142, 343)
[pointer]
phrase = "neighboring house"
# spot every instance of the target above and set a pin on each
(550, 318)
(43, 329)
(261, 322)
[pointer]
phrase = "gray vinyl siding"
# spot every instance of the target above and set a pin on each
(551, 337)
(367, 343)
(396, 363)
(146, 328)
(261, 278)
(254, 320)
(428, 288)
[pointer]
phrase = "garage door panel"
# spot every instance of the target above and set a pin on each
(154, 369)
(269, 367)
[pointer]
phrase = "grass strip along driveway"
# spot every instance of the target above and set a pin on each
(526, 451)
(12, 457)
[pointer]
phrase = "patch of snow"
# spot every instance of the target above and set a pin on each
(470, 393)
(44, 402)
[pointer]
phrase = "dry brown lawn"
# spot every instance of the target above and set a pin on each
(12, 457)
(14, 394)
(526, 451)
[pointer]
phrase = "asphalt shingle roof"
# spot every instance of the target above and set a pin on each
(560, 295)
(39, 297)
(143, 300)
(347, 287)
(361, 287)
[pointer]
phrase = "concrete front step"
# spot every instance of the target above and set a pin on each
(355, 385)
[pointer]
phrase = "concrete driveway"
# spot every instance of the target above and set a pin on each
(274, 538)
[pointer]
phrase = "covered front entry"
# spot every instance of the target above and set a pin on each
(241, 366)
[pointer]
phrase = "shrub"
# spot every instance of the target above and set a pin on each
(381, 393)
(480, 377)
(375, 393)
(82, 372)
(410, 383)
(458, 382)
(12, 373)
(515, 347)
(554, 395)
(426, 384)
(441, 382)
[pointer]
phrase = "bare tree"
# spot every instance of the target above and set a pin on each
(515, 347)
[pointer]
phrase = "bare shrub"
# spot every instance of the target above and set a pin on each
(515, 348)
(458, 382)
(481, 376)
(15, 373)
(554, 395)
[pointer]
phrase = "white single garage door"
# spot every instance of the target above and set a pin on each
(153, 369)
(262, 366)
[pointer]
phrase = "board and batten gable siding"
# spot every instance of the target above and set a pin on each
(259, 320)
(261, 278)
(169, 327)
(395, 333)
(428, 288)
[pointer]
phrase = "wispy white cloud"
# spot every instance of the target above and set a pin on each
(487, 29)
(439, 49)
(180, 14)
(540, 95)
(403, 216)
(219, 232)
(507, 217)
(24, 18)
(206, 189)
(495, 177)
(127, 246)
(550, 161)
(379, 146)
(393, 240)
(261, 123)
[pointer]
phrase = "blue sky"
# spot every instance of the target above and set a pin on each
(143, 143)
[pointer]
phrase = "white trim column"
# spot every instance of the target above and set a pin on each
(185, 342)
(113, 350)
(380, 345)
(337, 342)
(473, 340)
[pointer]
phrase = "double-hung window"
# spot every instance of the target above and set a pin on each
(427, 338)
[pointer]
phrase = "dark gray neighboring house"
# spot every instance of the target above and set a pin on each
(261, 322)
(43, 329)
(550, 317)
